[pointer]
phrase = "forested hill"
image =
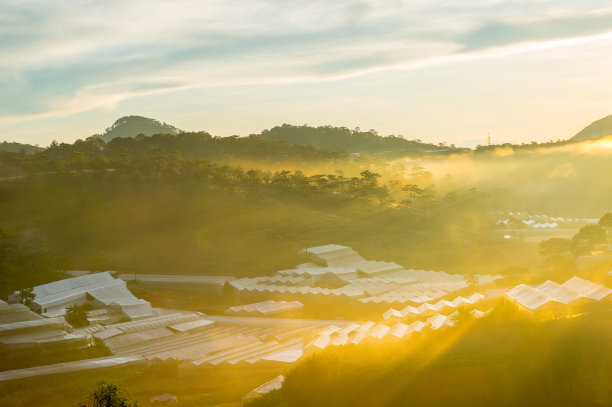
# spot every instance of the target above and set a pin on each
(19, 147)
(596, 130)
(95, 153)
(351, 141)
(131, 126)
(339, 139)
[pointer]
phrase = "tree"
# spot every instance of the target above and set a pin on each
(414, 194)
(369, 177)
(76, 316)
(418, 175)
(587, 237)
(422, 197)
(26, 296)
(107, 395)
(556, 247)
(558, 254)
(606, 223)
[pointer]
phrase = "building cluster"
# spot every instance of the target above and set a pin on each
(267, 308)
(202, 342)
(99, 291)
(338, 273)
(254, 334)
(553, 296)
(427, 309)
(42, 327)
(25, 332)
(356, 333)
(530, 221)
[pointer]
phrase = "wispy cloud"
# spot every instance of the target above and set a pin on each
(63, 57)
(501, 33)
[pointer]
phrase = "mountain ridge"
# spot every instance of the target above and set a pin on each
(131, 126)
(596, 130)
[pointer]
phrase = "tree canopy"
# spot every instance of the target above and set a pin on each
(107, 395)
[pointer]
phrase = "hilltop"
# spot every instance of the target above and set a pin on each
(345, 140)
(596, 130)
(131, 126)
(13, 147)
(338, 139)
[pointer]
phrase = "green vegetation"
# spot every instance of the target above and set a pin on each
(606, 223)
(76, 315)
(587, 238)
(18, 360)
(107, 395)
(26, 296)
(221, 388)
(353, 141)
(131, 126)
(13, 147)
(202, 217)
(25, 263)
(194, 203)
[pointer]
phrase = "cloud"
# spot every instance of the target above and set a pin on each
(502, 34)
(63, 56)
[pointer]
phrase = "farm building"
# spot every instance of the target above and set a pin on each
(100, 290)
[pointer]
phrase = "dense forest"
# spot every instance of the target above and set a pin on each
(353, 141)
(133, 205)
(95, 154)
(194, 203)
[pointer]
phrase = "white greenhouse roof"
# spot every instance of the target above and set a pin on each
(567, 293)
(69, 367)
(587, 288)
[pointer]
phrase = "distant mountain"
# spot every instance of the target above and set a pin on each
(598, 129)
(18, 147)
(350, 141)
(131, 126)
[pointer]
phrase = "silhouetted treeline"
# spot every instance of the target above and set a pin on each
(352, 141)
(192, 145)
(131, 126)
(94, 154)
(13, 147)
(523, 147)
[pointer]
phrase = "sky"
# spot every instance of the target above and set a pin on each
(436, 70)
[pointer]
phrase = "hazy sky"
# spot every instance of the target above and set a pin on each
(438, 70)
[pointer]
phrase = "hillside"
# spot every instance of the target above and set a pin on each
(503, 360)
(18, 147)
(350, 141)
(597, 129)
(131, 126)
(192, 145)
